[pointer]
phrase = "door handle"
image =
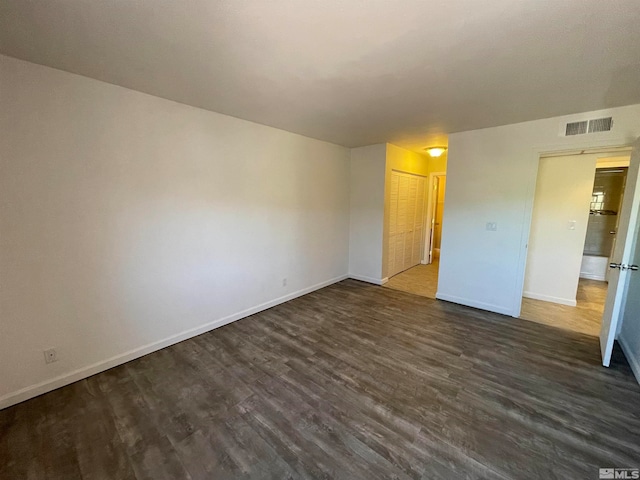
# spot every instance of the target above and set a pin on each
(623, 267)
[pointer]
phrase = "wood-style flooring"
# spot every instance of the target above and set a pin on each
(350, 382)
(420, 280)
(585, 317)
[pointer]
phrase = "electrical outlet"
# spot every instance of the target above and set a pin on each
(284, 282)
(50, 355)
(492, 226)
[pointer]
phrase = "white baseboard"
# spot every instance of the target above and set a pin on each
(591, 276)
(84, 372)
(375, 281)
(632, 358)
(548, 298)
(474, 303)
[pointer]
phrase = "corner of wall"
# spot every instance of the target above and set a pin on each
(366, 210)
(632, 356)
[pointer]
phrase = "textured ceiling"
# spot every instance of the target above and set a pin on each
(352, 72)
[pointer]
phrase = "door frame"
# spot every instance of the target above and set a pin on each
(431, 205)
(568, 147)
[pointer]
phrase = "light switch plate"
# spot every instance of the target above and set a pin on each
(492, 226)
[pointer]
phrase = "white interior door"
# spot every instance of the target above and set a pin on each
(631, 298)
(401, 227)
(393, 223)
(411, 221)
(431, 195)
(406, 222)
(418, 237)
(624, 255)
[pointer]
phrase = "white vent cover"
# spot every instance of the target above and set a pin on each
(600, 125)
(576, 128)
(588, 126)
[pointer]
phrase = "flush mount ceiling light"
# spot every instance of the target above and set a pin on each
(436, 151)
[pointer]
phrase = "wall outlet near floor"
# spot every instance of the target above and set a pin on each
(50, 355)
(284, 282)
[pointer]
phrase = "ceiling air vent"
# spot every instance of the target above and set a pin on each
(576, 128)
(600, 125)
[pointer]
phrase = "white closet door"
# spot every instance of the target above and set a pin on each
(401, 225)
(393, 220)
(406, 221)
(410, 222)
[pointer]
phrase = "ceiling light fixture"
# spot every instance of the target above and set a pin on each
(436, 151)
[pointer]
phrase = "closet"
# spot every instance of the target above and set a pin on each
(406, 221)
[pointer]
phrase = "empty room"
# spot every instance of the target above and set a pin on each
(319, 240)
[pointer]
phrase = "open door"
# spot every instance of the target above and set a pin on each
(624, 254)
(435, 207)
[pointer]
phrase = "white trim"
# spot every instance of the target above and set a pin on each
(593, 276)
(84, 372)
(363, 278)
(634, 363)
(548, 298)
(408, 173)
(473, 303)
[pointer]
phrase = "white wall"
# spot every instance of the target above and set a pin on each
(558, 227)
(491, 178)
(129, 222)
(594, 268)
(367, 212)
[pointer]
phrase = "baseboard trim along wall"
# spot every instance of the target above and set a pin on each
(473, 303)
(85, 372)
(590, 276)
(549, 298)
(632, 358)
(375, 281)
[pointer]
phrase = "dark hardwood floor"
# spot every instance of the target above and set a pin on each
(350, 382)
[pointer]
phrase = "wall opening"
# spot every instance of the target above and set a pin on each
(572, 236)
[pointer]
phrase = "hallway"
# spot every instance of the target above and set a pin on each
(586, 317)
(420, 280)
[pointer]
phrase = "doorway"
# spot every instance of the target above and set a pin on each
(438, 183)
(575, 218)
(421, 276)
